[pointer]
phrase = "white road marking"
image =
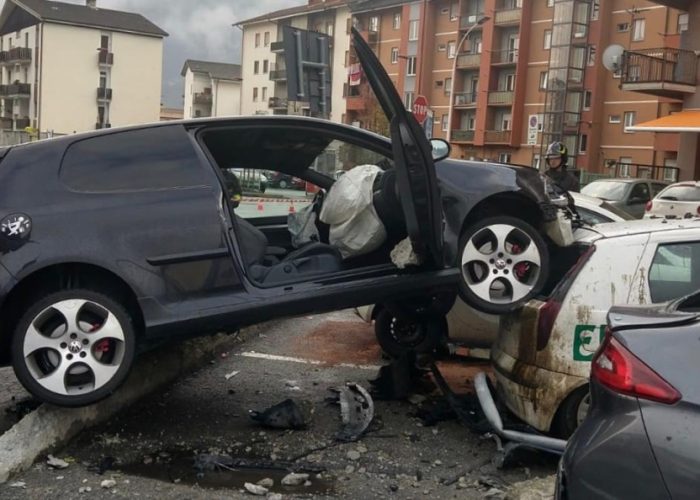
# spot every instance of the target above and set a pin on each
(291, 359)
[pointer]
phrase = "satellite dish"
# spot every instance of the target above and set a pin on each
(612, 57)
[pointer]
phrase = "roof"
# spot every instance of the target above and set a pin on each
(687, 120)
(295, 11)
(217, 70)
(82, 15)
(357, 6)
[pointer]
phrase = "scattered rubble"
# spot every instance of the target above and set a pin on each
(18, 484)
(294, 479)
(229, 376)
(266, 483)
(288, 414)
(256, 489)
(108, 484)
(56, 463)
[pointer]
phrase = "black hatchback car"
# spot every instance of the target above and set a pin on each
(118, 239)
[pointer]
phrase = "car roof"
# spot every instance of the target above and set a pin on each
(626, 180)
(641, 226)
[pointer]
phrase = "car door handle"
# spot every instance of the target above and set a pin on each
(179, 258)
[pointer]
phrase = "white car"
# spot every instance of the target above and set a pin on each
(677, 201)
(465, 325)
(543, 353)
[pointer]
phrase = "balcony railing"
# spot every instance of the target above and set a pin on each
(16, 90)
(469, 60)
(356, 103)
(104, 94)
(203, 98)
(462, 136)
(18, 55)
(509, 16)
(277, 46)
(663, 72)
(278, 75)
(277, 103)
(105, 57)
(469, 20)
(501, 98)
(641, 171)
(509, 56)
(497, 136)
(465, 99)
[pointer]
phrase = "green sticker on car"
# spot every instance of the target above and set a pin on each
(587, 338)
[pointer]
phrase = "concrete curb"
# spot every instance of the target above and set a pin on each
(49, 426)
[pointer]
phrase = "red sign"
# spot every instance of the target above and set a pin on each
(420, 109)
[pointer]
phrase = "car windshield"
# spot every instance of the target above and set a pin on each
(681, 192)
(606, 190)
(617, 211)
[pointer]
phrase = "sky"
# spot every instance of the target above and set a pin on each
(199, 29)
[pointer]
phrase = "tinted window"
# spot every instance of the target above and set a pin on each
(681, 192)
(675, 271)
(656, 188)
(137, 160)
(640, 192)
(606, 190)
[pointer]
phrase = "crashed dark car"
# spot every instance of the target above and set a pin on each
(114, 241)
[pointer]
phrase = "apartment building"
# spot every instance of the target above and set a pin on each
(211, 89)
(74, 67)
(264, 72)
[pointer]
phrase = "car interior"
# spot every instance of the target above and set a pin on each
(265, 242)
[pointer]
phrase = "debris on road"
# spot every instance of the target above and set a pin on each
(266, 483)
(356, 411)
(288, 414)
(229, 376)
(108, 484)
(294, 479)
(23, 407)
(354, 455)
(56, 463)
(19, 484)
(256, 489)
(84, 489)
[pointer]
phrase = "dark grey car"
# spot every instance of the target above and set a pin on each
(641, 438)
(631, 195)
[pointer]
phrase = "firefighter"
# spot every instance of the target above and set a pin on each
(557, 156)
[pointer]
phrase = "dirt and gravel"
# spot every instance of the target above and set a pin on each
(196, 440)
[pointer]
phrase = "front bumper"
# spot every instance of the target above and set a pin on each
(532, 393)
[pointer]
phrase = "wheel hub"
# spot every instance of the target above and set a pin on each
(75, 347)
(500, 264)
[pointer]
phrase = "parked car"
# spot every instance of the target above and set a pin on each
(677, 201)
(285, 181)
(631, 195)
(641, 438)
(130, 238)
(465, 325)
(543, 352)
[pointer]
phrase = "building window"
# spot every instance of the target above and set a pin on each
(266, 66)
(544, 76)
(256, 67)
(614, 119)
(374, 24)
(630, 117)
(267, 39)
(445, 122)
(504, 157)
(451, 49)
(257, 39)
(448, 86)
(510, 82)
(26, 40)
(547, 39)
(624, 163)
(454, 11)
(471, 121)
(682, 22)
(587, 96)
(413, 31)
(591, 55)
(583, 143)
(255, 94)
(394, 55)
(264, 93)
(638, 28)
(622, 27)
(595, 10)
(103, 79)
(550, 3)
(411, 66)
(397, 21)
(408, 100)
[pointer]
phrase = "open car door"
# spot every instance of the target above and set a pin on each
(415, 170)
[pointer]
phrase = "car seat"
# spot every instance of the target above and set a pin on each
(387, 203)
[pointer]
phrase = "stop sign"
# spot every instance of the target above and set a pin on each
(420, 109)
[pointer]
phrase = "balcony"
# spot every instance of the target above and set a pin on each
(277, 47)
(507, 15)
(504, 57)
(104, 94)
(356, 103)
(501, 98)
(203, 98)
(18, 55)
(465, 99)
(462, 136)
(663, 72)
(16, 90)
(278, 75)
(105, 57)
(372, 37)
(497, 136)
(469, 20)
(468, 61)
(277, 103)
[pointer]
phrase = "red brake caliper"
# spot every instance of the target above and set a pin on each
(102, 345)
(521, 268)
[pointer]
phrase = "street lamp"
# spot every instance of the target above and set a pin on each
(478, 22)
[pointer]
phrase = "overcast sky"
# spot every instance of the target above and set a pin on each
(199, 29)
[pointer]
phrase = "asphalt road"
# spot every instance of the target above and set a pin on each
(149, 449)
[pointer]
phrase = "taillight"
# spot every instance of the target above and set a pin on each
(615, 367)
(550, 310)
(650, 205)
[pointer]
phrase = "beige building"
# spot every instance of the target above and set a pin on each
(68, 68)
(211, 89)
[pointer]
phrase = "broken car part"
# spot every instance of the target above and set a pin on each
(288, 414)
(356, 411)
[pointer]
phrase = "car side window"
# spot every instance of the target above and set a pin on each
(136, 160)
(675, 271)
(640, 192)
(592, 218)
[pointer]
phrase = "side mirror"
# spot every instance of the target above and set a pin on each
(441, 149)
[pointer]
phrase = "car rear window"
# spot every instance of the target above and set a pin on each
(681, 192)
(675, 271)
(606, 190)
(135, 160)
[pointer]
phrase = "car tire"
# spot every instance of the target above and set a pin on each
(396, 335)
(83, 335)
(504, 262)
(571, 413)
(283, 184)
